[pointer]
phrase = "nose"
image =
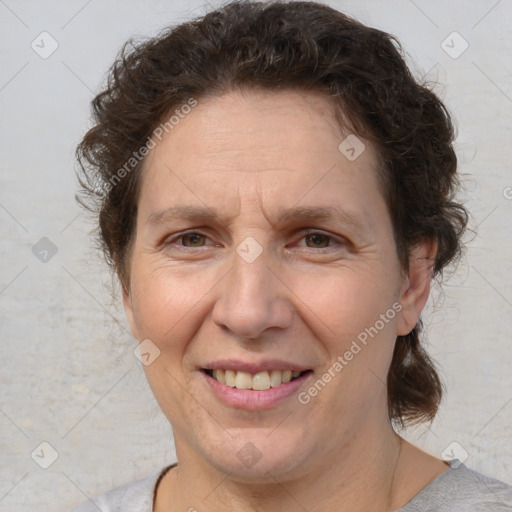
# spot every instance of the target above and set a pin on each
(252, 299)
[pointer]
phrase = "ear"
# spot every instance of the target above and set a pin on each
(128, 309)
(416, 287)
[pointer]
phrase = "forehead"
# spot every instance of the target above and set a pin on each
(267, 124)
(279, 146)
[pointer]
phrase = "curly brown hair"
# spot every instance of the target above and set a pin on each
(276, 46)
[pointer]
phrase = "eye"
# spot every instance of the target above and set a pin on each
(188, 240)
(194, 238)
(319, 240)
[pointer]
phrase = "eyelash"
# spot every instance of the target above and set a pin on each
(180, 236)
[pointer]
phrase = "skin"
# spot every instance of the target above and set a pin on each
(304, 299)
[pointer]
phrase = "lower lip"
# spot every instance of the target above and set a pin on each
(250, 399)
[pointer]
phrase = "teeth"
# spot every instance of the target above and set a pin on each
(275, 378)
(219, 375)
(243, 380)
(259, 382)
(230, 377)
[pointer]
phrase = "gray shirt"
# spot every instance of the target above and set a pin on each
(459, 489)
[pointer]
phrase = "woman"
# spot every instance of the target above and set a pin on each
(276, 193)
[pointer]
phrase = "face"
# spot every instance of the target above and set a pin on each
(260, 248)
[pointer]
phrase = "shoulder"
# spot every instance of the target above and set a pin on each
(463, 490)
(136, 496)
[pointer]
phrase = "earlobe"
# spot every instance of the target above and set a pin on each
(416, 288)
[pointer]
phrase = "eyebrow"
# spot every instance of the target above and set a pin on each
(296, 214)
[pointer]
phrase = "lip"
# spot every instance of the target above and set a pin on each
(254, 400)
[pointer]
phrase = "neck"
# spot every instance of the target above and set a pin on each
(358, 476)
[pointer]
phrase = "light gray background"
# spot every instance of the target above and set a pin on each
(69, 376)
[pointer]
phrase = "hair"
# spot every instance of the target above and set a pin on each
(277, 46)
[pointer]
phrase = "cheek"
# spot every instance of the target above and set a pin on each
(165, 311)
(340, 304)
(355, 314)
(170, 305)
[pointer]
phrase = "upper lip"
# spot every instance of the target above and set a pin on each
(252, 367)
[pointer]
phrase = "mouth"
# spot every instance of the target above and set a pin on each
(254, 385)
(260, 381)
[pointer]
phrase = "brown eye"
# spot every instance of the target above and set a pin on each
(194, 239)
(318, 240)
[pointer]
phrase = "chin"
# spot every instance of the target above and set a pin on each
(254, 456)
